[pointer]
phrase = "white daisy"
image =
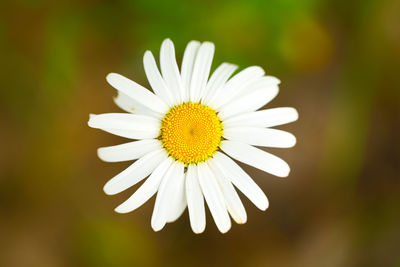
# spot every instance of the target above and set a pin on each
(187, 133)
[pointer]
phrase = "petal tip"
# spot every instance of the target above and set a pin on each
(148, 56)
(258, 69)
(157, 228)
(291, 142)
(266, 206)
(108, 189)
(225, 227)
(111, 76)
(294, 141)
(121, 209)
(198, 228)
(209, 44)
(241, 221)
(296, 114)
(284, 173)
(194, 42)
(100, 154)
(167, 41)
(90, 121)
(225, 230)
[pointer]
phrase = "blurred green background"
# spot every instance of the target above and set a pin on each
(339, 63)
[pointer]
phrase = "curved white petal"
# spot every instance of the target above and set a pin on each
(273, 79)
(256, 157)
(201, 70)
(217, 81)
(260, 83)
(195, 201)
(187, 66)
(260, 136)
(248, 102)
(137, 92)
(263, 118)
(146, 190)
(177, 211)
(235, 85)
(170, 72)
(240, 179)
(232, 200)
(128, 151)
(165, 192)
(127, 125)
(214, 197)
(129, 105)
(126, 103)
(177, 203)
(155, 79)
(135, 173)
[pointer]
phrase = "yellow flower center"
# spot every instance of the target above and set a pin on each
(191, 132)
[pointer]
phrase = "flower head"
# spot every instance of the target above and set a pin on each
(187, 133)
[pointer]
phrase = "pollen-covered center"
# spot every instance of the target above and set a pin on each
(191, 132)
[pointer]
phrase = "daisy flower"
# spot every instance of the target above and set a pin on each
(188, 131)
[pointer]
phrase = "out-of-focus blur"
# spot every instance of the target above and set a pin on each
(339, 64)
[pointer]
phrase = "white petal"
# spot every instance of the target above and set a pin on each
(128, 151)
(214, 197)
(217, 81)
(126, 125)
(135, 173)
(260, 136)
(248, 102)
(260, 83)
(146, 190)
(187, 65)
(126, 103)
(170, 72)
(272, 79)
(201, 70)
(263, 118)
(235, 85)
(256, 157)
(164, 195)
(177, 203)
(129, 105)
(195, 201)
(178, 211)
(240, 179)
(137, 92)
(232, 200)
(155, 79)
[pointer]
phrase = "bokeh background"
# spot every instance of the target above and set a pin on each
(339, 63)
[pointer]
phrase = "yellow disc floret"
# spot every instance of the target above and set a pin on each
(191, 132)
